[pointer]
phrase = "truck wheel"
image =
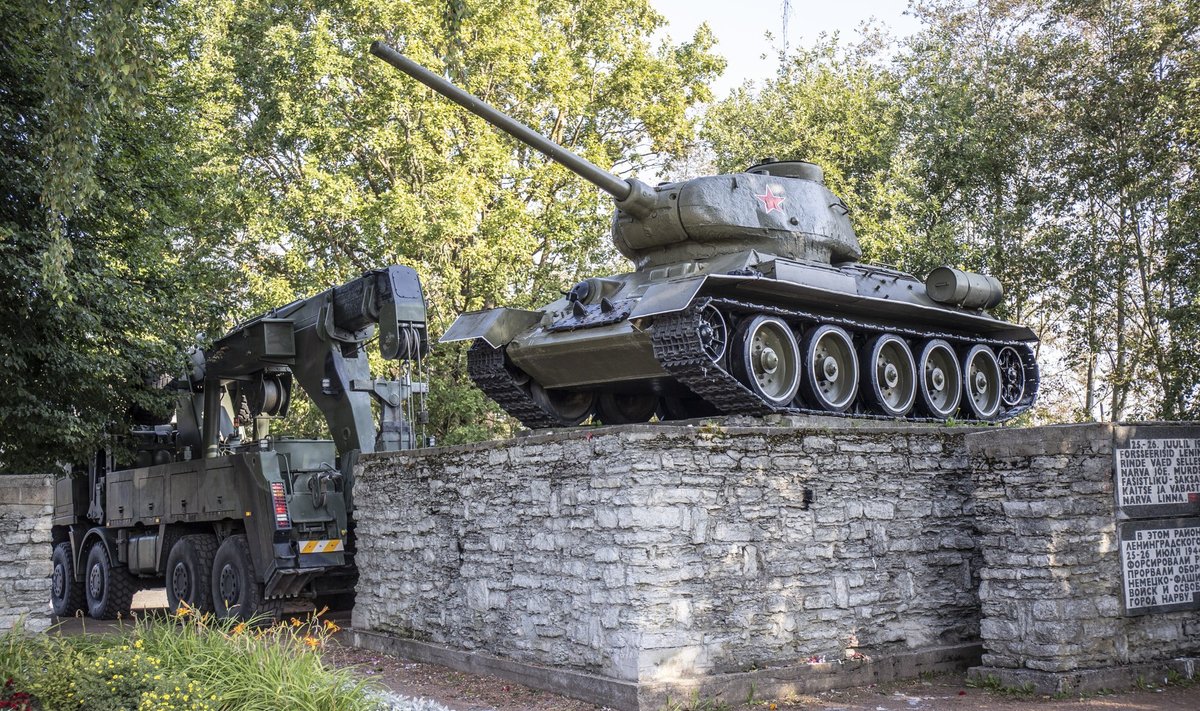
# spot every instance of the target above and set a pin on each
(107, 588)
(189, 572)
(66, 595)
(235, 591)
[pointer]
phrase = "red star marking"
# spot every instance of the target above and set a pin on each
(771, 201)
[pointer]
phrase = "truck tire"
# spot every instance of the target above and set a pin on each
(66, 595)
(107, 588)
(189, 572)
(235, 591)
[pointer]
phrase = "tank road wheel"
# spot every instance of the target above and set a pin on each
(623, 408)
(66, 595)
(1012, 377)
(982, 382)
(938, 388)
(767, 360)
(571, 407)
(107, 588)
(890, 375)
(831, 368)
(189, 572)
(714, 333)
(235, 592)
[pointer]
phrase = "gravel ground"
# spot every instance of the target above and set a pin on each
(447, 690)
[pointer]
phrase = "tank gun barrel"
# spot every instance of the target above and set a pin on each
(610, 183)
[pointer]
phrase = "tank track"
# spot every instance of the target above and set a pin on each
(487, 367)
(678, 348)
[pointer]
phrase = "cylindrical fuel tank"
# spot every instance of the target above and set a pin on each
(947, 285)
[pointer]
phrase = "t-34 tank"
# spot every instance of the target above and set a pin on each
(747, 298)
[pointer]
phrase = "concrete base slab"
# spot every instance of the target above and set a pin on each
(776, 682)
(1084, 680)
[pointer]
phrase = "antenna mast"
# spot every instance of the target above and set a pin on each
(787, 13)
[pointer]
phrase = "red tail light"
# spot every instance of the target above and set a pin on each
(280, 498)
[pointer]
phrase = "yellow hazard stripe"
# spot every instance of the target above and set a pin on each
(331, 546)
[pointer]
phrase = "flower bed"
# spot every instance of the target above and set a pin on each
(187, 662)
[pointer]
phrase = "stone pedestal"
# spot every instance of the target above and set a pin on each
(1051, 595)
(26, 505)
(627, 565)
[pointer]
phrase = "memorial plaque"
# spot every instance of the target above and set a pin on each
(1157, 471)
(1160, 565)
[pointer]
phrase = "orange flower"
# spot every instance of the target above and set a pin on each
(296, 622)
(330, 627)
(239, 628)
(311, 641)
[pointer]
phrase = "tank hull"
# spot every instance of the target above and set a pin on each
(641, 335)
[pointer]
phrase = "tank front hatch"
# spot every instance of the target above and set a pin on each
(780, 207)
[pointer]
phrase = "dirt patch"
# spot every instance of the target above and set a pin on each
(469, 692)
(457, 690)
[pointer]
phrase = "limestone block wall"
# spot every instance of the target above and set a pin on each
(26, 505)
(658, 552)
(1051, 587)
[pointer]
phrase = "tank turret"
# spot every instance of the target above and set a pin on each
(781, 206)
(747, 298)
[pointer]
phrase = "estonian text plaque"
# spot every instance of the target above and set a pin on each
(1160, 565)
(1157, 470)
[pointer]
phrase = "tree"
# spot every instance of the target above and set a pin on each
(345, 164)
(101, 283)
(1051, 144)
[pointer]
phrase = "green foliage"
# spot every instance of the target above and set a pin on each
(1052, 145)
(104, 277)
(343, 164)
(185, 664)
(172, 167)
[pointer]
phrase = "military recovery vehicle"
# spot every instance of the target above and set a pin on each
(748, 297)
(230, 518)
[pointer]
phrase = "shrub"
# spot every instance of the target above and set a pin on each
(187, 662)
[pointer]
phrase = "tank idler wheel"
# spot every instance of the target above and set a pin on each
(1012, 377)
(830, 379)
(571, 407)
(767, 359)
(890, 374)
(108, 588)
(189, 572)
(714, 333)
(235, 591)
(939, 383)
(981, 383)
(66, 594)
(625, 408)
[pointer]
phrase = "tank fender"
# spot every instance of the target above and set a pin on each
(668, 297)
(496, 326)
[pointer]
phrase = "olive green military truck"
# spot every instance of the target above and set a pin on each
(230, 518)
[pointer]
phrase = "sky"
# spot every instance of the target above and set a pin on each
(741, 26)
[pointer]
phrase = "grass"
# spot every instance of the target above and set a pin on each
(696, 704)
(187, 662)
(992, 683)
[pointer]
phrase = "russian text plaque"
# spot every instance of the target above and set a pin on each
(1160, 565)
